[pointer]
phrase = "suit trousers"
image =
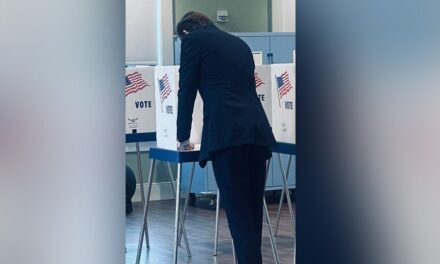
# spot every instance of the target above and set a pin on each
(240, 173)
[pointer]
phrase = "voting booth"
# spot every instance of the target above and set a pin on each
(140, 113)
(263, 85)
(275, 86)
(283, 102)
(167, 87)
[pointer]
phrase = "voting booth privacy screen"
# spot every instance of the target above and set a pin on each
(167, 87)
(283, 102)
(140, 113)
(151, 96)
(263, 85)
(275, 86)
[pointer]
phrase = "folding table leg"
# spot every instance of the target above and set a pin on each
(144, 220)
(141, 183)
(271, 236)
(177, 214)
(294, 250)
(284, 175)
(183, 230)
(266, 213)
(185, 208)
(217, 215)
(233, 253)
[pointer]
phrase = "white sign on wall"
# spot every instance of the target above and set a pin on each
(263, 85)
(283, 102)
(139, 100)
(167, 86)
(258, 57)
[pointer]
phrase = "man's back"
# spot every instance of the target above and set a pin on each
(233, 114)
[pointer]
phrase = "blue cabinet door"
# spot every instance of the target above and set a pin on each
(203, 181)
(199, 181)
(277, 176)
(269, 179)
(282, 48)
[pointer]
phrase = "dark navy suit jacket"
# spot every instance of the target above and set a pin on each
(221, 67)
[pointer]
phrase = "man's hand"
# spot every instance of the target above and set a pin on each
(185, 146)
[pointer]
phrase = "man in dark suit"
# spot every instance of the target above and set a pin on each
(236, 133)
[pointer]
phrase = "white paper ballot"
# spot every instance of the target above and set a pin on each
(283, 102)
(167, 86)
(140, 113)
(263, 85)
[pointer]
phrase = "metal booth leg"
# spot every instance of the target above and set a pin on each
(217, 216)
(294, 249)
(177, 214)
(271, 236)
(185, 208)
(183, 231)
(144, 220)
(266, 213)
(233, 253)
(285, 175)
(141, 183)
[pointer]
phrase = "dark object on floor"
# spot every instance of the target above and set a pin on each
(213, 203)
(130, 188)
(192, 199)
(203, 201)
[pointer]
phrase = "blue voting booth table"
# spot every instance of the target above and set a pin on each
(191, 158)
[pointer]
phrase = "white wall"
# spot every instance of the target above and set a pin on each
(165, 28)
(284, 15)
(141, 31)
(149, 37)
(244, 15)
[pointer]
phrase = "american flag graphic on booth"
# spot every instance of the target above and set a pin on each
(134, 83)
(258, 80)
(284, 85)
(164, 87)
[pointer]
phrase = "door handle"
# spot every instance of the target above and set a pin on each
(270, 57)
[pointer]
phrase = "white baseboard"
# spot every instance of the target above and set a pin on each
(159, 191)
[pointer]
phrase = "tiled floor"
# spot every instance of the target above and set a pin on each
(200, 226)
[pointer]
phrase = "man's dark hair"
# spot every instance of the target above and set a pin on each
(191, 21)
